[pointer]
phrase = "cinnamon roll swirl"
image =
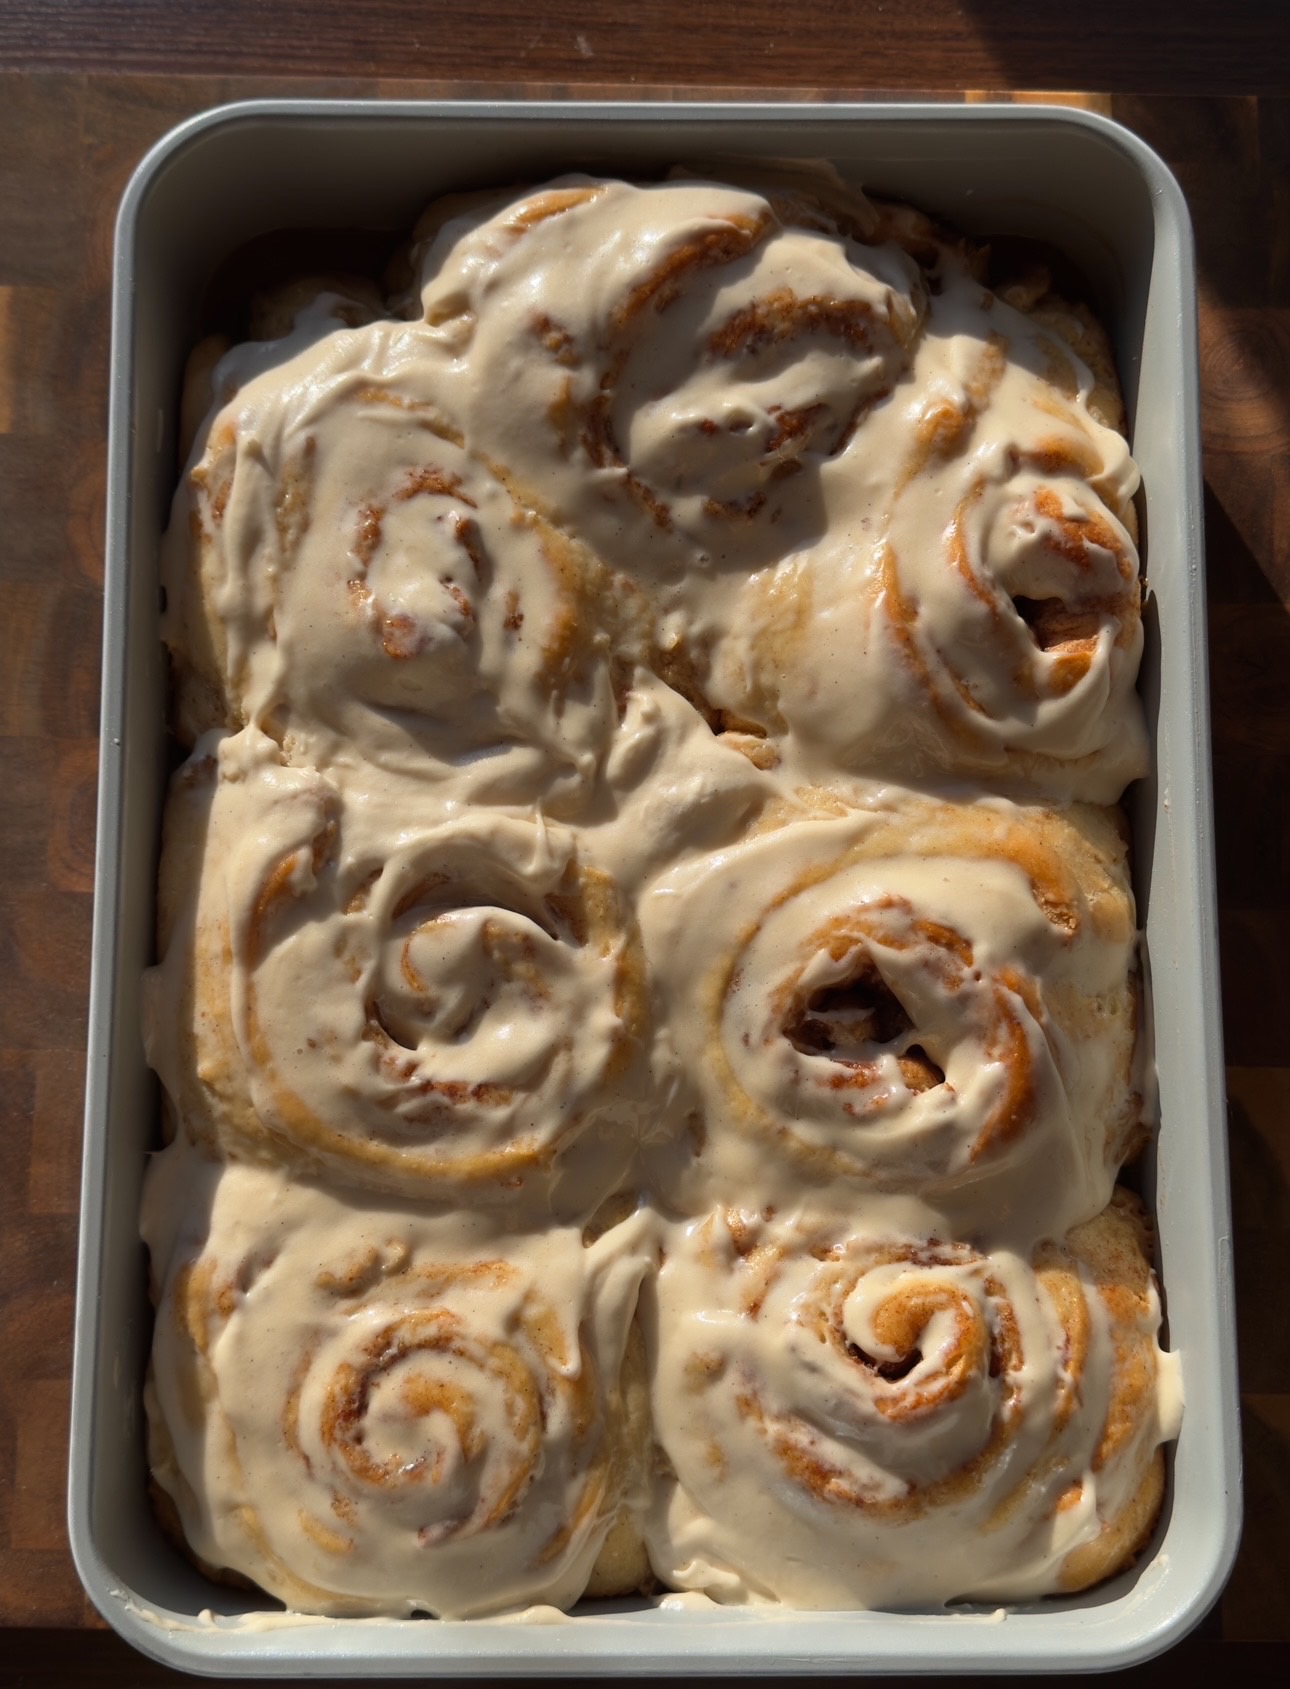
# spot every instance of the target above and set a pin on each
(851, 1418)
(368, 1411)
(975, 605)
(916, 998)
(345, 575)
(677, 358)
(433, 1006)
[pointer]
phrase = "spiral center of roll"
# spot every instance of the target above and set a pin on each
(853, 1020)
(760, 366)
(415, 609)
(1053, 625)
(429, 1407)
(1067, 573)
(925, 1335)
(470, 976)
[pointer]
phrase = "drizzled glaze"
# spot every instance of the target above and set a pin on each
(547, 915)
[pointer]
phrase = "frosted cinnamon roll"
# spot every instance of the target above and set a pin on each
(920, 998)
(975, 605)
(666, 366)
(366, 1411)
(433, 1006)
(1036, 565)
(851, 1418)
(344, 574)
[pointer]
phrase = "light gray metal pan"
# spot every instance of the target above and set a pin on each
(1077, 181)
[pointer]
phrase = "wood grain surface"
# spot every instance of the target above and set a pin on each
(68, 140)
(1140, 46)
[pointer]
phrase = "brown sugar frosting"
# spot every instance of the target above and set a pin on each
(419, 1005)
(922, 997)
(370, 1410)
(647, 997)
(852, 1417)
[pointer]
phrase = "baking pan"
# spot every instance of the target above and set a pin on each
(1066, 178)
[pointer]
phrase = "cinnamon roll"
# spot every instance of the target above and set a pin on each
(345, 575)
(975, 605)
(368, 1411)
(438, 1006)
(665, 366)
(918, 997)
(852, 1418)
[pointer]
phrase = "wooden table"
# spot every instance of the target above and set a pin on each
(86, 86)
